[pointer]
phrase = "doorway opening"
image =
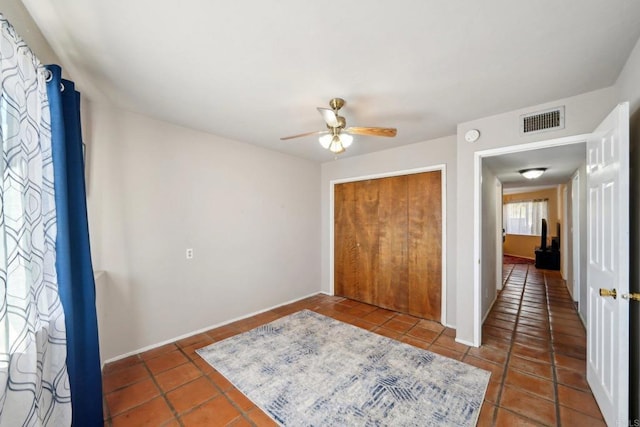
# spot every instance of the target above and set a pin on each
(503, 164)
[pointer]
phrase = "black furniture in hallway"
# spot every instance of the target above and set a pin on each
(548, 258)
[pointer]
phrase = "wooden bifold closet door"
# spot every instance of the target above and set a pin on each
(388, 242)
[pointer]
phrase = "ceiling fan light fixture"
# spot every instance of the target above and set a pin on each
(532, 173)
(338, 136)
(325, 141)
(336, 146)
(335, 143)
(346, 139)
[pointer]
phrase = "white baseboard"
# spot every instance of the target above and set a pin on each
(449, 325)
(520, 256)
(490, 308)
(207, 328)
(465, 342)
(584, 322)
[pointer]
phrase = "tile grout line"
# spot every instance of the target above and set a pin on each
(110, 415)
(553, 355)
(405, 334)
(506, 279)
(162, 392)
(177, 416)
(107, 419)
(243, 414)
(508, 359)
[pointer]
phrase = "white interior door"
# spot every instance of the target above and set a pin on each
(608, 265)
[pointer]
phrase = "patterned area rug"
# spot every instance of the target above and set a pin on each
(307, 369)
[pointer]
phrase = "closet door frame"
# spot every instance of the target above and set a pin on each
(443, 174)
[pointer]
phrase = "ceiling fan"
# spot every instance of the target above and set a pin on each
(338, 137)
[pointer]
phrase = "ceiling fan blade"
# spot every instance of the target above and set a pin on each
(389, 132)
(329, 116)
(321, 132)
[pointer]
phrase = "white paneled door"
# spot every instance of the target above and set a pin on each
(608, 265)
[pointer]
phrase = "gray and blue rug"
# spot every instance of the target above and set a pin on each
(307, 369)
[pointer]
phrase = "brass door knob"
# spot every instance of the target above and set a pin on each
(632, 296)
(608, 293)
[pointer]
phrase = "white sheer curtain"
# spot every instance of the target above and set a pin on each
(525, 217)
(34, 386)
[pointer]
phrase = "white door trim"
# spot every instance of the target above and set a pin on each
(564, 237)
(439, 167)
(575, 235)
(477, 215)
(499, 237)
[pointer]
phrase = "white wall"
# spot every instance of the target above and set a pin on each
(423, 154)
(628, 84)
(251, 216)
(583, 113)
(15, 12)
(490, 195)
(628, 87)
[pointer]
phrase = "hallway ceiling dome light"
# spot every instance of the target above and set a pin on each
(532, 173)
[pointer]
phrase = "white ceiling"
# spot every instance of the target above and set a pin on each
(255, 71)
(561, 162)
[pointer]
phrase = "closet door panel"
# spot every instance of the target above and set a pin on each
(388, 243)
(392, 266)
(366, 232)
(345, 245)
(425, 244)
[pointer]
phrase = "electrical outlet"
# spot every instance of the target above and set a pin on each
(189, 253)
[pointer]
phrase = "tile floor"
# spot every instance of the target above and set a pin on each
(534, 346)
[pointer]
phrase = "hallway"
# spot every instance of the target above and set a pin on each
(535, 332)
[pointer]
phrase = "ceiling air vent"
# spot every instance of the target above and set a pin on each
(542, 121)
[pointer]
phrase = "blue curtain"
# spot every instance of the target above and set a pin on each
(73, 260)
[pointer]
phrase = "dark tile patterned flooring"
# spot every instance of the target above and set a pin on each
(533, 345)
